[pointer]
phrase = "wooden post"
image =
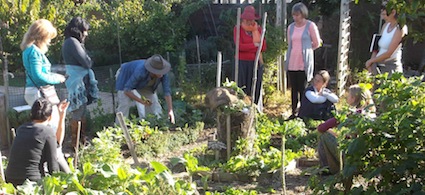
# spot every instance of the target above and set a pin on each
(112, 77)
(77, 145)
(254, 79)
(257, 58)
(283, 164)
(238, 32)
(281, 22)
(4, 134)
(199, 67)
(228, 144)
(120, 118)
(1, 167)
(219, 64)
(217, 153)
(218, 84)
(6, 90)
(12, 130)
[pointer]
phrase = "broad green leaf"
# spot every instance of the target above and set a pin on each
(122, 174)
(174, 161)
(107, 171)
(158, 167)
(88, 169)
(168, 177)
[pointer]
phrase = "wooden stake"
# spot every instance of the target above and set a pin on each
(228, 144)
(77, 145)
(1, 168)
(217, 153)
(218, 84)
(254, 79)
(238, 32)
(123, 126)
(283, 165)
(13, 133)
(219, 64)
(257, 58)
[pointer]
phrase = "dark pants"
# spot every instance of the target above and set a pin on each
(245, 78)
(298, 82)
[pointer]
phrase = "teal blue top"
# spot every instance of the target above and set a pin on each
(38, 67)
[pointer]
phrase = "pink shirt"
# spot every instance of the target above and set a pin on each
(296, 61)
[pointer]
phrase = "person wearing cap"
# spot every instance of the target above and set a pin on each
(249, 41)
(138, 80)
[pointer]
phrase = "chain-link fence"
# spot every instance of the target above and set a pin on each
(202, 77)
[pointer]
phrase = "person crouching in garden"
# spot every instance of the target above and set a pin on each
(138, 81)
(329, 154)
(318, 101)
(35, 143)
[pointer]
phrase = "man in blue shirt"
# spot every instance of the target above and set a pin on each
(138, 80)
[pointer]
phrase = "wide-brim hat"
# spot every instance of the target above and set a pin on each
(249, 13)
(156, 64)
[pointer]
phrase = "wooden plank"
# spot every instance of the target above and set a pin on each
(123, 126)
(77, 145)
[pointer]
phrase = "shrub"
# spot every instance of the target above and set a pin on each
(389, 151)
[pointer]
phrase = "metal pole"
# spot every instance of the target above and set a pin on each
(238, 34)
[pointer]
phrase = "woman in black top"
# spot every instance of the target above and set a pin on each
(81, 81)
(35, 143)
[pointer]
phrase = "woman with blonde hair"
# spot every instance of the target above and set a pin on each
(360, 99)
(34, 46)
(38, 74)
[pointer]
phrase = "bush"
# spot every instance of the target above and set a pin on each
(389, 151)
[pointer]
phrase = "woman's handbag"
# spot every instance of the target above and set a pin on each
(48, 92)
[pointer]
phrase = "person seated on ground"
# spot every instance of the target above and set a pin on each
(60, 135)
(144, 76)
(34, 144)
(329, 154)
(318, 102)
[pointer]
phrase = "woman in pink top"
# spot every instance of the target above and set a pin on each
(388, 57)
(303, 39)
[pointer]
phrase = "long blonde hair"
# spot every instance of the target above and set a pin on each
(39, 33)
(362, 97)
